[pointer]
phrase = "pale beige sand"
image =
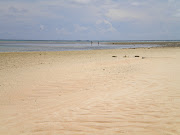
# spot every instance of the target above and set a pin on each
(90, 92)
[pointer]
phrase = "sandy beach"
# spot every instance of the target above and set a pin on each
(108, 92)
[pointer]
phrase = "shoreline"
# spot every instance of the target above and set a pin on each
(32, 47)
(65, 51)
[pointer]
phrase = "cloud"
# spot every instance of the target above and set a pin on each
(62, 31)
(105, 26)
(42, 27)
(177, 14)
(123, 15)
(16, 10)
(81, 1)
(136, 3)
(171, 1)
(27, 10)
(86, 18)
(79, 28)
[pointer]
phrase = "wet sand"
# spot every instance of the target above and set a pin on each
(91, 92)
(161, 43)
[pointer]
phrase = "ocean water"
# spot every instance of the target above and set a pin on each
(64, 45)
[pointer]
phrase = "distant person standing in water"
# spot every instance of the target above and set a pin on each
(91, 43)
(98, 43)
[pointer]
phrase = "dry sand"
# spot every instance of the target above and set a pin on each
(90, 92)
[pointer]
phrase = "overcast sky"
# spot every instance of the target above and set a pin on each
(90, 19)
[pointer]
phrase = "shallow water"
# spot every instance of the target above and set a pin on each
(27, 46)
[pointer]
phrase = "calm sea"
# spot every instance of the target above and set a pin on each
(64, 45)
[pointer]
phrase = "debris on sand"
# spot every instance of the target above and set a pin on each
(136, 56)
(124, 56)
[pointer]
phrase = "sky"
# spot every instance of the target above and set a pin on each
(90, 19)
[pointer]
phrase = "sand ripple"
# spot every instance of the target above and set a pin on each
(99, 95)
